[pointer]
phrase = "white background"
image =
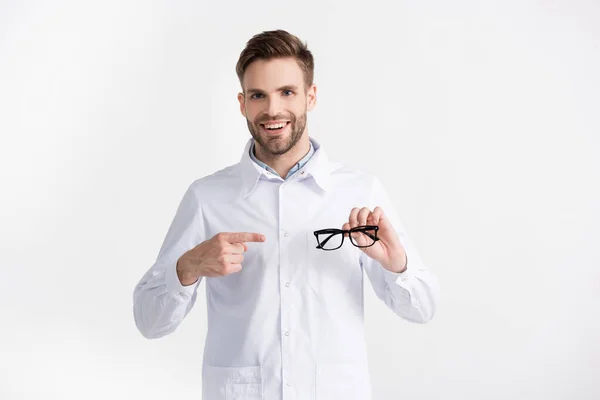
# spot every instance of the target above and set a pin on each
(480, 117)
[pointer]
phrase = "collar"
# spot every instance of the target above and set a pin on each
(318, 167)
(293, 170)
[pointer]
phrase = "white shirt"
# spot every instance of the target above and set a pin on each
(289, 325)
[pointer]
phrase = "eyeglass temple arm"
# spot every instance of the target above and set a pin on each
(324, 242)
(374, 237)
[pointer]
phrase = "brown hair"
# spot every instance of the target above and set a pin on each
(276, 44)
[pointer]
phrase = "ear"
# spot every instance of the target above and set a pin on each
(242, 101)
(311, 96)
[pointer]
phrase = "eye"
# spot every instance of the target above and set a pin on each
(288, 92)
(255, 96)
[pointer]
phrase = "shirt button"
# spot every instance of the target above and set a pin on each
(286, 234)
(289, 384)
(287, 284)
(287, 333)
(302, 173)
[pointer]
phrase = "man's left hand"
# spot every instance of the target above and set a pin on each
(388, 250)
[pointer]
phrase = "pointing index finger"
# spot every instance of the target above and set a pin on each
(240, 237)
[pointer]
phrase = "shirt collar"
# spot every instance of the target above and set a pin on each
(318, 167)
(292, 171)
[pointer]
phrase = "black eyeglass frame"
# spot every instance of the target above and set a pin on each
(334, 231)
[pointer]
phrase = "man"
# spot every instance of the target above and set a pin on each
(284, 288)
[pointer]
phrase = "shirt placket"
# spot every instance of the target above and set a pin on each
(286, 298)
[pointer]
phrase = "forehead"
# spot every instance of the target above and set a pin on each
(268, 75)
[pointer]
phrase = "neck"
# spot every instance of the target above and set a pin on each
(284, 162)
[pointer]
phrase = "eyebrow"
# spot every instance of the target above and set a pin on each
(286, 87)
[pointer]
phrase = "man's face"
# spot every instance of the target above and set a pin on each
(275, 102)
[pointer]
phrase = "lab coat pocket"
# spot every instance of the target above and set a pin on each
(232, 383)
(333, 272)
(342, 382)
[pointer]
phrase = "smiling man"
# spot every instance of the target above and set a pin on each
(284, 240)
(275, 103)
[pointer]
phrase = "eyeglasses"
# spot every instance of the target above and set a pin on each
(360, 236)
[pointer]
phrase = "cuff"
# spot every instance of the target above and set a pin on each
(399, 283)
(174, 285)
(398, 277)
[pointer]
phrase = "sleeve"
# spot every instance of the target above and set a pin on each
(160, 301)
(412, 294)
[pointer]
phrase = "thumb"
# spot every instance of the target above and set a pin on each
(384, 224)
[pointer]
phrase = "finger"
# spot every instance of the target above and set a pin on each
(377, 215)
(346, 227)
(226, 270)
(235, 248)
(228, 264)
(233, 268)
(233, 258)
(237, 237)
(353, 218)
(362, 215)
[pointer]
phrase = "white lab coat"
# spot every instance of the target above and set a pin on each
(289, 325)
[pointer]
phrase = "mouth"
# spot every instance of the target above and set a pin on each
(275, 128)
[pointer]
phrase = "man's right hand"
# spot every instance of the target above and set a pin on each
(218, 256)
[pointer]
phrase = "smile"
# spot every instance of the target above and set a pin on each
(275, 127)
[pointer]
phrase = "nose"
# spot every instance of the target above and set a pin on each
(273, 106)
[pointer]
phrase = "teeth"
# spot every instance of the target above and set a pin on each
(276, 126)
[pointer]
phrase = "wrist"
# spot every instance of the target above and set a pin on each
(399, 267)
(186, 278)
